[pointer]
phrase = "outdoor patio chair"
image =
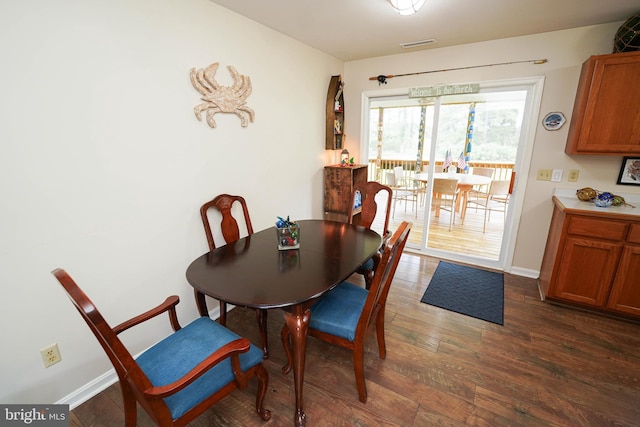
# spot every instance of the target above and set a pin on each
(445, 196)
(496, 199)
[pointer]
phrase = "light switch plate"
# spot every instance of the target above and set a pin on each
(573, 175)
(556, 175)
(544, 175)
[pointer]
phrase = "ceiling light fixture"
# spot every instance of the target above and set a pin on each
(407, 7)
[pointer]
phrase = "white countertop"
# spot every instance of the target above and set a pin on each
(568, 198)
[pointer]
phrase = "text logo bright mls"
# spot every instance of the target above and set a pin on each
(37, 415)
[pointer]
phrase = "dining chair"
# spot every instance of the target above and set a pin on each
(223, 204)
(488, 172)
(401, 193)
(480, 190)
(445, 196)
(496, 199)
(345, 314)
(365, 215)
(183, 375)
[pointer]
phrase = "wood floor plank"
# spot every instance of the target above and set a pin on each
(548, 365)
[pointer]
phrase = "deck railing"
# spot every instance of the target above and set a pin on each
(502, 170)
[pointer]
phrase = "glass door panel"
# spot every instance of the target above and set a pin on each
(470, 131)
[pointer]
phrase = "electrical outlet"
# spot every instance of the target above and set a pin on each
(544, 175)
(556, 176)
(573, 175)
(50, 355)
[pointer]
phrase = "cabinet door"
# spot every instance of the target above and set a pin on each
(586, 271)
(625, 294)
(337, 189)
(605, 117)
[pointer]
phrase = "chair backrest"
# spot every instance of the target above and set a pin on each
(445, 186)
(369, 209)
(483, 171)
(401, 177)
(390, 179)
(499, 188)
(228, 224)
(383, 276)
(398, 171)
(129, 372)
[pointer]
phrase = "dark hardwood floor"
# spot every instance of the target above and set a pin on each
(547, 366)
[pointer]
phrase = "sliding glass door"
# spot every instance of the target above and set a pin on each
(429, 137)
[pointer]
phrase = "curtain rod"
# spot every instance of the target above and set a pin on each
(382, 79)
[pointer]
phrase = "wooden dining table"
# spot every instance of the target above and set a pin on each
(253, 272)
(466, 181)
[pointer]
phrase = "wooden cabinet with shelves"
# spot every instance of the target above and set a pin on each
(593, 261)
(335, 115)
(605, 118)
(339, 182)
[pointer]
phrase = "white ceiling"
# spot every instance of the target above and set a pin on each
(359, 29)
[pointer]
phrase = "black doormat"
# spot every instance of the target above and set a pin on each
(467, 290)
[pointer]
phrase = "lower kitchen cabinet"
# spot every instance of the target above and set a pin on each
(625, 293)
(593, 260)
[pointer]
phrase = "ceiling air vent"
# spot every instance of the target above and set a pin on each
(419, 43)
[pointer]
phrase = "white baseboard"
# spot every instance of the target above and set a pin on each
(89, 390)
(524, 272)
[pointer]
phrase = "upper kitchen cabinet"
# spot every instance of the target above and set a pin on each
(606, 113)
(335, 115)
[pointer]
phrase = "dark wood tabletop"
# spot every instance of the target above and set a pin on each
(253, 272)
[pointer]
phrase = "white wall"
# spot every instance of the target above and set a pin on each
(565, 52)
(103, 165)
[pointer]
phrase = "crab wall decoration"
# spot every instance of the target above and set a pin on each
(222, 99)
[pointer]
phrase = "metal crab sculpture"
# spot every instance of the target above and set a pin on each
(222, 99)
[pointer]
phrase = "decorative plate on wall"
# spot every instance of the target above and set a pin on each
(553, 121)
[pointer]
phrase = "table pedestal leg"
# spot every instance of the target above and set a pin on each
(297, 321)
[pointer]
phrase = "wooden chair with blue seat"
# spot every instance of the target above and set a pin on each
(184, 374)
(370, 194)
(223, 204)
(345, 315)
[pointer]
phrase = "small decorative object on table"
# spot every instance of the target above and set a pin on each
(288, 234)
(344, 157)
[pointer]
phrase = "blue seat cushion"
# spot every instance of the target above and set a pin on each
(174, 356)
(368, 265)
(337, 313)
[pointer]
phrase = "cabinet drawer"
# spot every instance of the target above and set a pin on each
(634, 234)
(600, 228)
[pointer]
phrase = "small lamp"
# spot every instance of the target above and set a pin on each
(407, 7)
(344, 157)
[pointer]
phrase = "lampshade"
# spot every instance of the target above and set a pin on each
(407, 7)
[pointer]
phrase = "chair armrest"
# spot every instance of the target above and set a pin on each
(232, 349)
(168, 304)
